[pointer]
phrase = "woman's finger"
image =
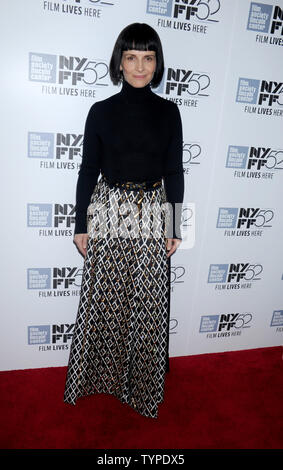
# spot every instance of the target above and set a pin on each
(84, 244)
(80, 241)
(172, 245)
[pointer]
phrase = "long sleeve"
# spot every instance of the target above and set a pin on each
(89, 170)
(174, 175)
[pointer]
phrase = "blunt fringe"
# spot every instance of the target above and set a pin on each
(141, 37)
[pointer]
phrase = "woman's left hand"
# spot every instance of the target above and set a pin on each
(172, 245)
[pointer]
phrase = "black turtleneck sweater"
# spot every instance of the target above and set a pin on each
(134, 135)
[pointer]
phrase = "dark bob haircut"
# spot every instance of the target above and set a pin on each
(141, 37)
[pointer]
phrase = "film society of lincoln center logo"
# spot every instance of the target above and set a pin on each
(56, 151)
(263, 97)
(51, 219)
(71, 76)
(185, 15)
(244, 221)
(55, 282)
(51, 337)
(277, 321)
(234, 276)
(254, 162)
(267, 23)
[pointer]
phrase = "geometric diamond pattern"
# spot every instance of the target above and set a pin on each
(120, 340)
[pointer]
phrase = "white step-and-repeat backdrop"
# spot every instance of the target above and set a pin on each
(223, 63)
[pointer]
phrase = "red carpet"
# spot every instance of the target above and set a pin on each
(227, 400)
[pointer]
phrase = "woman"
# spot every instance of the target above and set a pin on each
(134, 140)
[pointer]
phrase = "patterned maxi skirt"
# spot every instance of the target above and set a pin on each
(121, 335)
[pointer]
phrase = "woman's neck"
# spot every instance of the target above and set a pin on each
(135, 94)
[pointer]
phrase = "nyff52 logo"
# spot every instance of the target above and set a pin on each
(54, 278)
(56, 335)
(234, 217)
(265, 18)
(260, 92)
(201, 10)
(72, 70)
(225, 324)
(47, 145)
(50, 215)
(184, 83)
(234, 272)
(258, 158)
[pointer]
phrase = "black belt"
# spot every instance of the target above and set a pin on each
(132, 185)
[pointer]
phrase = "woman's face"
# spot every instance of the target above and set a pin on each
(138, 67)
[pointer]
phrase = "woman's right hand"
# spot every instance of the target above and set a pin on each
(80, 240)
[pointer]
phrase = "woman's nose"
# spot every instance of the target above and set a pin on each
(140, 65)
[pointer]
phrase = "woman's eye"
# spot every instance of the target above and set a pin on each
(132, 58)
